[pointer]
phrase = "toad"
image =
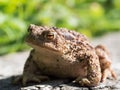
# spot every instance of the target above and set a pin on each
(63, 53)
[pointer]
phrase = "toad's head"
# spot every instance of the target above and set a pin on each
(50, 38)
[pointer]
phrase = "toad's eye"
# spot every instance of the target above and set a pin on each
(49, 35)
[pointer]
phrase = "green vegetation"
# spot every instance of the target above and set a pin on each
(91, 17)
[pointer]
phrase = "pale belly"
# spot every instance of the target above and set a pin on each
(55, 65)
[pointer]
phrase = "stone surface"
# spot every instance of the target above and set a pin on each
(12, 65)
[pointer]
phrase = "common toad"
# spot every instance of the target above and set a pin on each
(63, 53)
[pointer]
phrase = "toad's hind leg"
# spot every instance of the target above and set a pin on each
(105, 62)
(31, 73)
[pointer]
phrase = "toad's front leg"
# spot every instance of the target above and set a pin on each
(93, 76)
(31, 73)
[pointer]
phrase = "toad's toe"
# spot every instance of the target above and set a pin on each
(84, 81)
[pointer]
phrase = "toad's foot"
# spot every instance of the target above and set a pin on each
(106, 73)
(34, 78)
(82, 81)
(29, 78)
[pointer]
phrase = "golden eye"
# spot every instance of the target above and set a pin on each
(50, 36)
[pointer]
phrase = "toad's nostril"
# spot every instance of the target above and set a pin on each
(31, 27)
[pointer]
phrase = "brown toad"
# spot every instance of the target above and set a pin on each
(62, 53)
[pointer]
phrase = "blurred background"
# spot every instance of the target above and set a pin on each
(90, 17)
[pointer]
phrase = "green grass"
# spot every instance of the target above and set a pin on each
(90, 17)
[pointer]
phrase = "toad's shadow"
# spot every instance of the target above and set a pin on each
(6, 84)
